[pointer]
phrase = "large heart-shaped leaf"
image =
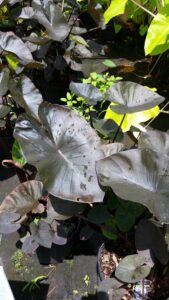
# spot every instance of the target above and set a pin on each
(155, 140)
(64, 150)
(130, 97)
(26, 95)
(4, 78)
(149, 237)
(9, 42)
(7, 222)
(23, 198)
(132, 268)
(50, 16)
(139, 176)
(89, 92)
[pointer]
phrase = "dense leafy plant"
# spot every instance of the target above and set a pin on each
(56, 138)
(157, 24)
(83, 173)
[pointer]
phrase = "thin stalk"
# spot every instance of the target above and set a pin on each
(63, 2)
(156, 116)
(118, 129)
(143, 8)
(72, 11)
(21, 173)
(155, 64)
(161, 111)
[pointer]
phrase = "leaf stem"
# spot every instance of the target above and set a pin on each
(118, 129)
(143, 8)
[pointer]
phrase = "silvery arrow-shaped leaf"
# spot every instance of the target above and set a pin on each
(7, 222)
(11, 43)
(64, 150)
(140, 176)
(52, 19)
(26, 95)
(132, 268)
(4, 78)
(130, 97)
(89, 92)
(23, 198)
(155, 140)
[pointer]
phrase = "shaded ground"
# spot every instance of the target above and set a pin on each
(73, 279)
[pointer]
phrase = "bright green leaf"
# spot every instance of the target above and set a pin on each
(117, 7)
(133, 119)
(109, 63)
(17, 154)
(157, 39)
(12, 61)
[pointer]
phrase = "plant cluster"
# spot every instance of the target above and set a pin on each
(84, 172)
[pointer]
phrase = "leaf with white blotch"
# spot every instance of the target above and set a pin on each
(140, 176)
(23, 198)
(4, 78)
(132, 268)
(7, 222)
(26, 95)
(64, 150)
(42, 233)
(89, 92)
(130, 97)
(11, 43)
(4, 110)
(149, 236)
(155, 140)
